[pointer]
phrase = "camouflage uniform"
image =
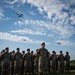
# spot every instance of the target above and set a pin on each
(43, 60)
(67, 62)
(28, 62)
(53, 62)
(61, 63)
(1, 62)
(18, 62)
(12, 62)
(36, 63)
(49, 61)
(32, 62)
(23, 66)
(6, 57)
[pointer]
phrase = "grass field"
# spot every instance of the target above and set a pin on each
(72, 72)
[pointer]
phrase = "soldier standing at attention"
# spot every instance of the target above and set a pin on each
(61, 62)
(28, 61)
(36, 62)
(1, 62)
(32, 62)
(43, 67)
(18, 62)
(53, 62)
(22, 66)
(12, 62)
(67, 60)
(6, 58)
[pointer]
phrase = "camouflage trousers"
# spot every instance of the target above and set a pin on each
(43, 66)
(67, 66)
(61, 68)
(17, 69)
(6, 69)
(28, 68)
(53, 67)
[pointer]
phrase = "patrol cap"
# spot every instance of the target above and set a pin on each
(7, 48)
(23, 51)
(53, 51)
(3, 50)
(60, 51)
(42, 43)
(18, 49)
(28, 49)
(31, 51)
(67, 52)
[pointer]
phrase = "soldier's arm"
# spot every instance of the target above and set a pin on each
(15, 57)
(50, 57)
(2, 56)
(10, 57)
(38, 53)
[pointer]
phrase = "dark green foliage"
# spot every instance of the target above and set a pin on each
(72, 65)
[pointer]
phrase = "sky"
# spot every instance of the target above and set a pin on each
(49, 21)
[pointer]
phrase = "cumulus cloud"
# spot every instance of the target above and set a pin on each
(32, 13)
(13, 2)
(65, 42)
(59, 13)
(48, 6)
(2, 16)
(16, 38)
(28, 31)
(63, 31)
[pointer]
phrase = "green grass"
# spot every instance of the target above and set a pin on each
(72, 65)
(72, 62)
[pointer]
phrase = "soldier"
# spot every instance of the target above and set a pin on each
(53, 62)
(28, 62)
(6, 58)
(56, 62)
(1, 63)
(32, 62)
(36, 62)
(12, 62)
(23, 66)
(43, 60)
(61, 63)
(49, 61)
(67, 61)
(18, 61)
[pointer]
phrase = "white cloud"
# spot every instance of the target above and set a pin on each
(32, 13)
(10, 37)
(11, 2)
(64, 31)
(15, 1)
(28, 31)
(2, 16)
(50, 7)
(65, 42)
(16, 38)
(72, 18)
(60, 22)
(23, 1)
(34, 22)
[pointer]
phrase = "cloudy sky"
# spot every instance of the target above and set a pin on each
(49, 21)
